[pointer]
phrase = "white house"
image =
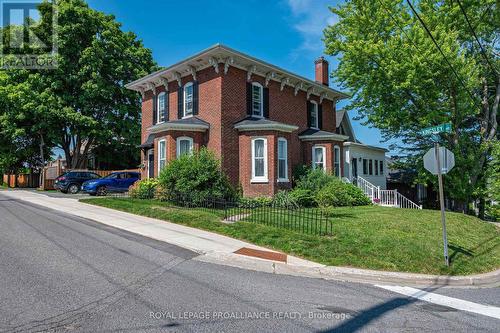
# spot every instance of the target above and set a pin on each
(361, 160)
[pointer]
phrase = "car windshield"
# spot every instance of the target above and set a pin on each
(112, 176)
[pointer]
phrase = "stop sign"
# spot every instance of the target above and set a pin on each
(446, 157)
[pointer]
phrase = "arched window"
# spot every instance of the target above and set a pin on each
(259, 160)
(314, 115)
(161, 108)
(184, 145)
(257, 100)
(336, 159)
(282, 160)
(188, 99)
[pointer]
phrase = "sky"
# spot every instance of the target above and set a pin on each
(286, 33)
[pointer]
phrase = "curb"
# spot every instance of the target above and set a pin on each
(490, 279)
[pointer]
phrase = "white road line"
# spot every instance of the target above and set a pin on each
(486, 310)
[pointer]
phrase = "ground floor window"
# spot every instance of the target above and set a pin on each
(318, 157)
(259, 160)
(381, 168)
(365, 166)
(162, 155)
(336, 164)
(282, 159)
(370, 167)
(151, 164)
(184, 145)
(376, 167)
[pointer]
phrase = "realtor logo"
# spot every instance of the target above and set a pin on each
(28, 34)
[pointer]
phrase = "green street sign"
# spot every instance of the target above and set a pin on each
(443, 128)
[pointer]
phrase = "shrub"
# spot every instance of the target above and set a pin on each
(285, 199)
(197, 176)
(255, 202)
(303, 197)
(314, 180)
(338, 194)
(143, 189)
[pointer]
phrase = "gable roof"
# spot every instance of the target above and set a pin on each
(219, 53)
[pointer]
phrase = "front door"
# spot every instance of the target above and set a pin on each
(151, 164)
(354, 163)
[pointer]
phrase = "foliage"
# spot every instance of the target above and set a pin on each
(285, 199)
(300, 171)
(82, 103)
(314, 180)
(197, 176)
(303, 197)
(401, 83)
(143, 189)
(255, 202)
(338, 194)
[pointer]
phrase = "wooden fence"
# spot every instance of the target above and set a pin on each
(23, 180)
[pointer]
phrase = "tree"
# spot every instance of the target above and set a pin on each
(84, 99)
(402, 83)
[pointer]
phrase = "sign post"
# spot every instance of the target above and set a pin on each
(434, 164)
(441, 202)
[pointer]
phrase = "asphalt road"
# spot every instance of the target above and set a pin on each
(63, 273)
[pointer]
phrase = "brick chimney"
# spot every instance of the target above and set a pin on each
(321, 68)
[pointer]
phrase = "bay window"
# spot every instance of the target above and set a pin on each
(184, 145)
(336, 164)
(318, 157)
(282, 160)
(162, 155)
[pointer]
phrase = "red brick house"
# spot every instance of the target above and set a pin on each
(261, 120)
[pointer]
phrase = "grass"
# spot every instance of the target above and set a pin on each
(365, 237)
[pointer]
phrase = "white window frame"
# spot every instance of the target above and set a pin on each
(285, 178)
(337, 155)
(158, 111)
(185, 109)
(178, 144)
(264, 178)
(314, 110)
(261, 100)
(323, 148)
(162, 152)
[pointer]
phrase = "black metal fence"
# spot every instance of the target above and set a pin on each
(313, 221)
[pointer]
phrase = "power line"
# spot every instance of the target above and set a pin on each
(442, 53)
(483, 52)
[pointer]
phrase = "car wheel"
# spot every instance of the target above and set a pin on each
(102, 191)
(73, 189)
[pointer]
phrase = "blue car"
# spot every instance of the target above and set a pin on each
(117, 182)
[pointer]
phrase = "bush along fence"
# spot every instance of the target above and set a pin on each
(313, 221)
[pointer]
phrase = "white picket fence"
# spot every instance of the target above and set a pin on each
(391, 198)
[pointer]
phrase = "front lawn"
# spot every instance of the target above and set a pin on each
(365, 237)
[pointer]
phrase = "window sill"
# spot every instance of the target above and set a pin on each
(259, 181)
(188, 116)
(283, 181)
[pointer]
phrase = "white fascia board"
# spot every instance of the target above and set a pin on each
(335, 137)
(266, 127)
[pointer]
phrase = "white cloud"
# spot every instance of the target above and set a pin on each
(310, 18)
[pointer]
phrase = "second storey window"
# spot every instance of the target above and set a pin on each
(184, 145)
(318, 157)
(314, 115)
(282, 160)
(162, 155)
(162, 107)
(188, 99)
(259, 160)
(257, 100)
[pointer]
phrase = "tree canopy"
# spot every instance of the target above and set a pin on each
(82, 103)
(402, 83)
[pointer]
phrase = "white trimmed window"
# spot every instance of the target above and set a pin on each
(336, 160)
(319, 157)
(259, 160)
(160, 115)
(162, 155)
(188, 99)
(184, 145)
(257, 100)
(282, 160)
(314, 115)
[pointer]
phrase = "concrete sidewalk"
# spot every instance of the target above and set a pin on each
(220, 249)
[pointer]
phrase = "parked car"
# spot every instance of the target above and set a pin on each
(117, 182)
(71, 182)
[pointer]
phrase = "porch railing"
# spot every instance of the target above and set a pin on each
(384, 197)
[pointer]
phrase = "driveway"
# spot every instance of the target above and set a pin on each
(60, 272)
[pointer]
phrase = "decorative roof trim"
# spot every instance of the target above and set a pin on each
(172, 126)
(266, 127)
(239, 60)
(332, 136)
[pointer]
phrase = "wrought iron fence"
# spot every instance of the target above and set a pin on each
(313, 221)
